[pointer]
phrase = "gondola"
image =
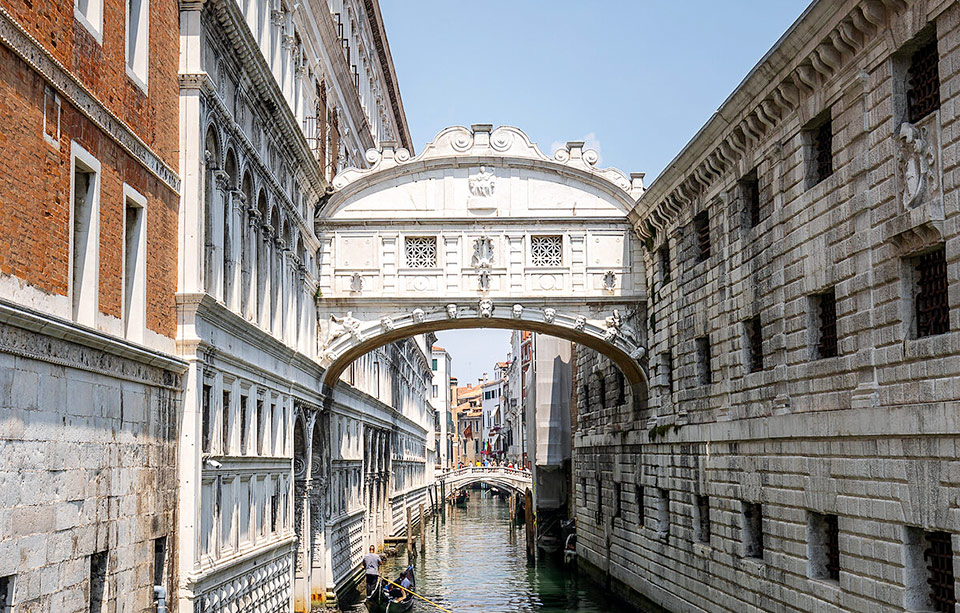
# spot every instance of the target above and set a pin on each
(462, 497)
(382, 602)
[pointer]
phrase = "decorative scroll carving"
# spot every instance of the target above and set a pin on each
(482, 252)
(609, 280)
(356, 282)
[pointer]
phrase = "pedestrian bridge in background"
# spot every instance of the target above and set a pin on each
(481, 230)
(514, 479)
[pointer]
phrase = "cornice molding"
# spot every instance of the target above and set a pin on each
(28, 49)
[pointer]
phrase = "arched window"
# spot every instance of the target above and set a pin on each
(211, 163)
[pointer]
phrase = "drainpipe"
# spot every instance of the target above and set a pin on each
(160, 593)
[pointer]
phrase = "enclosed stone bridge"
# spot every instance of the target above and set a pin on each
(481, 230)
(513, 479)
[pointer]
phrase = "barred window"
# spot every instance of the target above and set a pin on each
(666, 363)
(664, 254)
(701, 523)
(421, 251)
(930, 293)
(750, 196)
(923, 82)
(546, 250)
(754, 338)
(825, 306)
(701, 226)
(703, 360)
(939, 558)
(819, 141)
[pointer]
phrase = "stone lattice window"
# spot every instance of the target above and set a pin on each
(931, 304)
(923, 82)
(546, 250)
(421, 251)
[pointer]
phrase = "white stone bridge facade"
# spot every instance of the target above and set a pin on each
(514, 479)
(481, 230)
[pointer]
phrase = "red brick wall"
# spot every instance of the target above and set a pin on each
(35, 176)
(102, 69)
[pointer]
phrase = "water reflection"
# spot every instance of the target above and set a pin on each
(475, 561)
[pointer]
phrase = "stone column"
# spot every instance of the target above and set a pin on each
(213, 242)
(232, 270)
(248, 267)
(263, 271)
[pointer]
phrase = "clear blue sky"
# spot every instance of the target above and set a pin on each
(635, 79)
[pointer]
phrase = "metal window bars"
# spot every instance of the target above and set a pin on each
(832, 546)
(701, 226)
(923, 82)
(755, 343)
(939, 558)
(827, 307)
(932, 307)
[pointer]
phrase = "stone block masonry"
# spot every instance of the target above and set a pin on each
(798, 449)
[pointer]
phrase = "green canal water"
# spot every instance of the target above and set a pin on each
(475, 561)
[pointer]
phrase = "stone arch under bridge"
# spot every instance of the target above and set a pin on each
(481, 230)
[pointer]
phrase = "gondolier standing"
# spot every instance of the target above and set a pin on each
(371, 565)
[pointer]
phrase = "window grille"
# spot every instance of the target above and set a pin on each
(754, 343)
(666, 362)
(703, 519)
(939, 558)
(750, 191)
(827, 318)
(243, 424)
(703, 360)
(421, 251)
(701, 225)
(205, 418)
(752, 530)
(832, 546)
(664, 253)
(923, 82)
(225, 425)
(820, 142)
(546, 250)
(932, 307)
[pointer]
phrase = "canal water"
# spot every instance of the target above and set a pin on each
(475, 560)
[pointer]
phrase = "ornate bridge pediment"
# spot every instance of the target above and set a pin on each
(481, 229)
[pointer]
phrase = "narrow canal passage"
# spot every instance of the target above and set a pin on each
(475, 561)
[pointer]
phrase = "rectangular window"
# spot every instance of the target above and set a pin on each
(823, 546)
(546, 250)
(754, 343)
(663, 253)
(703, 360)
(421, 251)
(205, 424)
(6, 593)
(750, 197)
(666, 363)
(616, 499)
(86, 236)
(928, 571)
(90, 14)
(225, 424)
(818, 137)
(701, 519)
(931, 306)
(663, 512)
(436, 391)
(98, 580)
(701, 227)
(641, 511)
(825, 318)
(159, 559)
(923, 82)
(138, 41)
(134, 264)
(260, 426)
(243, 423)
(434, 364)
(752, 530)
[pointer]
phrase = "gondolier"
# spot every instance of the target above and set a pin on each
(371, 565)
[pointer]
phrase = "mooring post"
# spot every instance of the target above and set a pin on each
(423, 538)
(409, 529)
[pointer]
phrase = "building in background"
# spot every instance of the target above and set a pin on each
(440, 399)
(89, 389)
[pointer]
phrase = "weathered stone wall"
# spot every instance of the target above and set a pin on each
(87, 466)
(867, 436)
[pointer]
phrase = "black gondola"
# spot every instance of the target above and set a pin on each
(385, 598)
(462, 497)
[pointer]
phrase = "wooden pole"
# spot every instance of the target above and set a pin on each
(409, 529)
(423, 539)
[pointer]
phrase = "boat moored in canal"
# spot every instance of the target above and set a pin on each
(461, 498)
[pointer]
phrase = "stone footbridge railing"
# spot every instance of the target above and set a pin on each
(515, 479)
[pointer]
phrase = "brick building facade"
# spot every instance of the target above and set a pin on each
(89, 397)
(798, 448)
